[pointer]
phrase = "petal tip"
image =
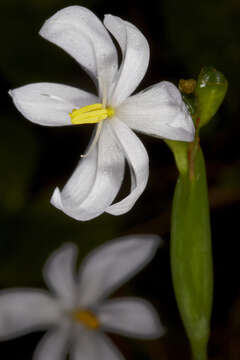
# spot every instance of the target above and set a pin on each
(155, 239)
(149, 243)
(159, 332)
(68, 11)
(152, 240)
(65, 254)
(68, 247)
(42, 32)
(107, 17)
(56, 199)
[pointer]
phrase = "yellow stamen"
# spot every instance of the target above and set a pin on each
(87, 318)
(90, 114)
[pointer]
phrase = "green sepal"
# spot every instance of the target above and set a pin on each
(191, 258)
(210, 91)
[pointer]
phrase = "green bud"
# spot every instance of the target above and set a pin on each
(210, 91)
(191, 258)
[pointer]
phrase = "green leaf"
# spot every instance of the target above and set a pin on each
(191, 258)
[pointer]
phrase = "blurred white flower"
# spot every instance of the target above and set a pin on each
(75, 309)
(157, 111)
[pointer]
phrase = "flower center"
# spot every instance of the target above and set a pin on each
(90, 114)
(86, 317)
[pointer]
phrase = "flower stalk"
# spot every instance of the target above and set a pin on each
(191, 250)
(191, 255)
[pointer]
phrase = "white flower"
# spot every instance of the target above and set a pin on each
(158, 111)
(75, 310)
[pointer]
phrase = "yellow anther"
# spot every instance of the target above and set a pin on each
(90, 114)
(110, 111)
(87, 318)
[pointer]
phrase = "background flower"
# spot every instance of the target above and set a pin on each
(76, 310)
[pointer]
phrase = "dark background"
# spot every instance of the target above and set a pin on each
(183, 36)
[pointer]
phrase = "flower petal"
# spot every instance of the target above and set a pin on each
(25, 310)
(59, 274)
(92, 345)
(54, 345)
(137, 158)
(131, 317)
(135, 53)
(112, 264)
(50, 104)
(158, 111)
(96, 180)
(80, 33)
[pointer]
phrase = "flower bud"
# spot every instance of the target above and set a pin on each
(187, 86)
(210, 92)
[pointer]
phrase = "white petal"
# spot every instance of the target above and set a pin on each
(131, 317)
(54, 345)
(112, 264)
(96, 180)
(50, 104)
(135, 54)
(158, 111)
(93, 345)
(59, 274)
(137, 158)
(26, 310)
(79, 32)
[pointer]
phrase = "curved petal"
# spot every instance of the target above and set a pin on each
(50, 104)
(25, 310)
(59, 274)
(135, 53)
(96, 180)
(112, 264)
(137, 158)
(80, 33)
(130, 317)
(92, 345)
(53, 346)
(158, 111)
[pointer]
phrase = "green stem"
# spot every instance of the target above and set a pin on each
(191, 257)
(193, 148)
(199, 350)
